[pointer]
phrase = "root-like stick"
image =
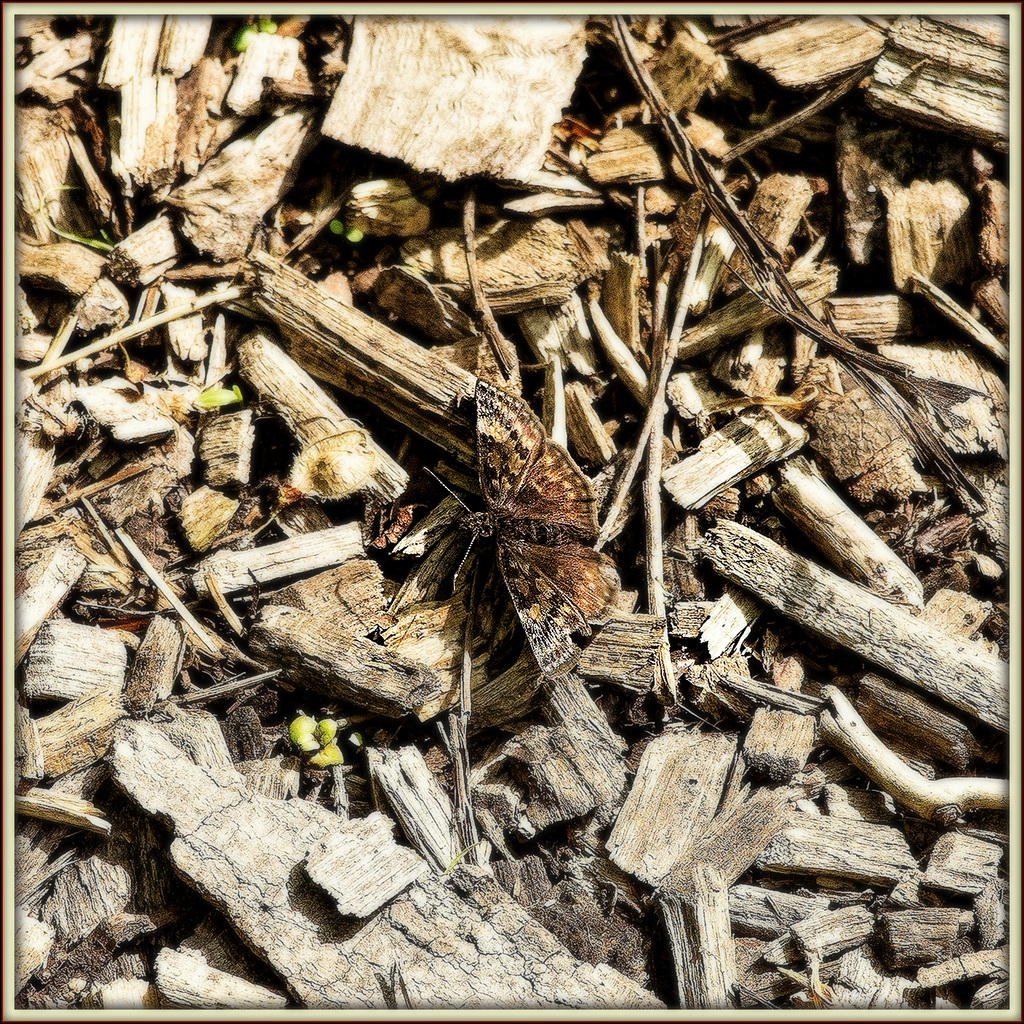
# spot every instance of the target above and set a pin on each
(940, 800)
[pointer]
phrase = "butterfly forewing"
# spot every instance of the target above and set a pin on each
(508, 439)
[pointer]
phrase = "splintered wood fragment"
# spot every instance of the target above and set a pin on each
(69, 660)
(729, 621)
(935, 800)
(858, 620)
(204, 516)
(34, 461)
(778, 743)
(984, 963)
(28, 755)
(351, 350)
(132, 49)
(981, 335)
(418, 802)
(225, 448)
(329, 660)
(822, 936)
(406, 294)
(136, 420)
(871, 320)
(846, 851)
(624, 652)
(620, 300)
(677, 788)
(465, 98)
(206, 641)
(560, 334)
(187, 336)
(686, 69)
(900, 713)
(182, 43)
(929, 225)
(920, 935)
(299, 555)
(700, 939)
(746, 445)
(144, 146)
(363, 867)
(617, 352)
(431, 635)
(994, 229)
(842, 536)
(267, 56)
(813, 51)
(146, 254)
(63, 809)
(78, 734)
(336, 456)
(33, 940)
(628, 156)
(508, 696)
(155, 666)
(949, 74)
(386, 206)
(767, 913)
(42, 588)
(746, 312)
(687, 618)
(69, 266)
(231, 193)
(962, 864)
(585, 429)
(521, 266)
(354, 595)
(184, 978)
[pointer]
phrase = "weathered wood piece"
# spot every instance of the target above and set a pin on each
(778, 743)
(949, 74)
(353, 596)
(862, 622)
(336, 456)
(872, 319)
(729, 621)
(351, 350)
(33, 940)
(363, 867)
(962, 864)
(71, 811)
(267, 56)
(84, 893)
(220, 205)
(184, 978)
(624, 652)
(41, 589)
(627, 156)
(821, 936)
(145, 254)
(841, 535)
(677, 788)
(330, 660)
(767, 913)
(812, 52)
(69, 660)
(155, 666)
(204, 516)
(839, 850)
(225, 447)
(28, 755)
(464, 98)
(386, 206)
(305, 553)
(743, 447)
(954, 312)
(920, 935)
(966, 966)
(78, 734)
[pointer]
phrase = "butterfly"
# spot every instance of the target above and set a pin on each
(540, 511)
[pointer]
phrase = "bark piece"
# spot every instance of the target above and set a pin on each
(204, 516)
(929, 225)
(222, 203)
(743, 447)
(966, 966)
(994, 231)
(962, 864)
(225, 447)
(842, 536)
(363, 867)
(778, 743)
(47, 805)
(627, 156)
(921, 935)
(184, 978)
(239, 570)
(459, 98)
(84, 894)
(521, 264)
(728, 622)
(145, 254)
(340, 344)
(871, 320)
(78, 734)
(353, 596)
(587, 433)
(855, 618)
(677, 788)
(841, 850)
(767, 913)
(336, 457)
(329, 660)
(812, 52)
(624, 652)
(69, 660)
(42, 587)
(155, 666)
(949, 74)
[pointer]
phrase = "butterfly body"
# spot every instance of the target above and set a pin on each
(541, 512)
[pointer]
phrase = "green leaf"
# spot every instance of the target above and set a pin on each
(329, 755)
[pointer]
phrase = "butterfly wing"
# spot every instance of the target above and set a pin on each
(508, 439)
(555, 591)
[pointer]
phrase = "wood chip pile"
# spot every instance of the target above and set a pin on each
(281, 740)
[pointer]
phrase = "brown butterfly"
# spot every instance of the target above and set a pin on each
(541, 512)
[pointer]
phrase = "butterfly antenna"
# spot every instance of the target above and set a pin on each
(462, 561)
(456, 497)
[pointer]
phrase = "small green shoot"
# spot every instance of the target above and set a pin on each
(215, 398)
(95, 243)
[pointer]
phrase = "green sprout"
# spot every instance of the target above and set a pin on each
(316, 740)
(214, 398)
(102, 245)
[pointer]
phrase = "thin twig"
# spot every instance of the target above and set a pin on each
(889, 382)
(101, 485)
(503, 351)
(826, 99)
(134, 330)
(224, 689)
